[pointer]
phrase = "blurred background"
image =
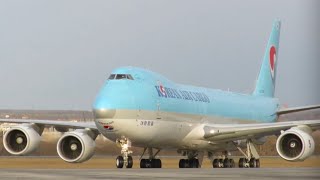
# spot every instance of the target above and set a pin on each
(57, 54)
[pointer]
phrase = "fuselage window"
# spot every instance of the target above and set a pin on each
(112, 76)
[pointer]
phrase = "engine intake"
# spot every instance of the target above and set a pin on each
(295, 145)
(76, 146)
(21, 140)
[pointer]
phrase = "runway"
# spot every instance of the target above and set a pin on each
(261, 174)
(104, 168)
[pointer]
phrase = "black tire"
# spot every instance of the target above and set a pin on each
(182, 163)
(257, 163)
(226, 163)
(193, 163)
(215, 163)
(149, 163)
(119, 162)
(143, 163)
(197, 165)
(241, 162)
(252, 163)
(130, 162)
(155, 163)
(158, 163)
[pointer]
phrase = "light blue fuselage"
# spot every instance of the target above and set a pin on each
(150, 91)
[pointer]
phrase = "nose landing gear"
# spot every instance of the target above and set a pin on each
(125, 159)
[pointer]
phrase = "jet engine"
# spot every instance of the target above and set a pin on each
(76, 146)
(295, 145)
(21, 140)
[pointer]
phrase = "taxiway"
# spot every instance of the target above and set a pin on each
(247, 174)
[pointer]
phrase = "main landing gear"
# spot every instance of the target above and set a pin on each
(191, 162)
(251, 159)
(152, 162)
(223, 162)
(125, 159)
(246, 163)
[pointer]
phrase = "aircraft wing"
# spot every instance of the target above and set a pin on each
(223, 132)
(55, 123)
(297, 109)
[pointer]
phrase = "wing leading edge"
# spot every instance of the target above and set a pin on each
(54, 123)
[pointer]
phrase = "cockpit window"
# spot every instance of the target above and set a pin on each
(129, 77)
(120, 76)
(112, 76)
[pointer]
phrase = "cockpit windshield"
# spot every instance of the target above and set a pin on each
(120, 76)
(112, 76)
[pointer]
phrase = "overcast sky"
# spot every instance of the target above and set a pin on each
(57, 54)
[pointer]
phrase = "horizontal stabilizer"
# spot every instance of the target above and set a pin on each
(297, 109)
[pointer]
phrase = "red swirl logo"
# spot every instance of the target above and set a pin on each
(272, 58)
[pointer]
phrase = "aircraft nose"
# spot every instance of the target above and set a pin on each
(104, 113)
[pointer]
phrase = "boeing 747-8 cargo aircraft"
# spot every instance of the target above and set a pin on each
(137, 107)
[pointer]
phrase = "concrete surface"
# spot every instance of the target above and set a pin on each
(248, 174)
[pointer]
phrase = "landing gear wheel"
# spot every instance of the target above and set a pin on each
(226, 163)
(129, 162)
(252, 163)
(157, 163)
(143, 163)
(119, 162)
(257, 163)
(194, 163)
(242, 163)
(215, 163)
(153, 163)
(183, 163)
(223, 163)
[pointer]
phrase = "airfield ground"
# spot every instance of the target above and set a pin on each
(106, 162)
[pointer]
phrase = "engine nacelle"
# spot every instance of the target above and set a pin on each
(76, 146)
(21, 140)
(295, 145)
